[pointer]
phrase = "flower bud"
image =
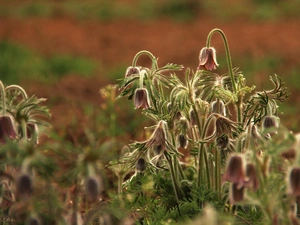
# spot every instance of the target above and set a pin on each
(207, 59)
(158, 139)
(92, 188)
(193, 119)
(131, 71)
(24, 186)
(7, 130)
(251, 174)
(294, 181)
(182, 140)
(141, 99)
(33, 221)
(236, 193)
(141, 165)
(269, 122)
(235, 170)
(218, 107)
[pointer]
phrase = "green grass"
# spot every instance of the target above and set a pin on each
(20, 63)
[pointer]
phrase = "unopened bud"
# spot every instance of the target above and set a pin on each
(182, 140)
(141, 165)
(193, 119)
(269, 122)
(294, 182)
(251, 174)
(24, 186)
(92, 187)
(33, 221)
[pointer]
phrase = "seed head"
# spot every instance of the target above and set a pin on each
(235, 170)
(207, 59)
(7, 130)
(141, 99)
(131, 71)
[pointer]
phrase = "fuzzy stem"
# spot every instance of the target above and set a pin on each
(228, 56)
(3, 98)
(19, 88)
(200, 155)
(174, 178)
(145, 52)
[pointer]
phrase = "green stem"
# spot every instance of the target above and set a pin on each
(202, 152)
(24, 129)
(3, 98)
(228, 56)
(174, 178)
(145, 52)
(120, 182)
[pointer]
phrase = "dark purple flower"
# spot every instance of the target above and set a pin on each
(294, 181)
(92, 188)
(207, 59)
(141, 165)
(252, 179)
(141, 99)
(24, 186)
(7, 130)
(236, 193)
(235, 171)
(131, 71)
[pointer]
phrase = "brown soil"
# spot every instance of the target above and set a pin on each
(115, 43)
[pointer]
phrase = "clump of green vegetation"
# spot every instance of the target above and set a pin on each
(18, 62)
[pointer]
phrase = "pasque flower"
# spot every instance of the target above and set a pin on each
(207, 59)
(294, 181)
(158, 139)
(141, 98)
(132, 70)
(7, 130)
(235, 171)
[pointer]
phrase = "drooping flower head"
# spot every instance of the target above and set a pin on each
(7, 130)
(236, 193)
(158, 139)
(141, 165)
(141, 98)
(235, 171)
(132, 70)
(294, 181)
(251, 174)
(207, 59)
